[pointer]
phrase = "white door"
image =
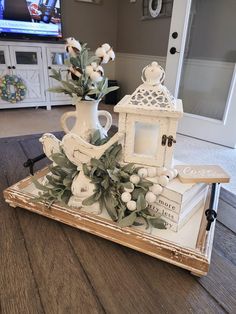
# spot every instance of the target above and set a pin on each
(56, 58)
(27, 63)
(201, 70)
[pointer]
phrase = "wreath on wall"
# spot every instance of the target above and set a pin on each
(12, 88)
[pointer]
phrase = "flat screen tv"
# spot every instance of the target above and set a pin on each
(35, 18)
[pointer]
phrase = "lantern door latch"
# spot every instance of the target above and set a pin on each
(167, 139)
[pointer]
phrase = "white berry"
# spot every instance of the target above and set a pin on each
(163, 180)
(156, 189)
(134, 179)
(150, 197)
(129, 189)
(152, 172)
(169, 174)
(143, 173)
(160, 171)
(131, 205)
(126, 197)
(175, 172)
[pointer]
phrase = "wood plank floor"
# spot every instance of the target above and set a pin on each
(48, 267)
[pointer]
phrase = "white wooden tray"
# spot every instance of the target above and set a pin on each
(190, 248)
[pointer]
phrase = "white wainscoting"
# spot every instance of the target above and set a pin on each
(206, 82)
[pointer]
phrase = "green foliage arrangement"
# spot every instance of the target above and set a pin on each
(111, 180)
(57, 187)
(85, 75)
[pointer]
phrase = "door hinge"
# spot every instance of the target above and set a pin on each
(169, 139)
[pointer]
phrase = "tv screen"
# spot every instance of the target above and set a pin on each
(33, 18)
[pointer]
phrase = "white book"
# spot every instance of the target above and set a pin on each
(183, 220)
(174, 216)
(177, 195)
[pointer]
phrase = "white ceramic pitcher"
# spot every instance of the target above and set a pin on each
(87, 122)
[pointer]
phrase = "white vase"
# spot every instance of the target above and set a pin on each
(86, 119)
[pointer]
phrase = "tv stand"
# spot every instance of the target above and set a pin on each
(33, 61)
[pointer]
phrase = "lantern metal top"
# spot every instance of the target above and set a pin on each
(151, 95)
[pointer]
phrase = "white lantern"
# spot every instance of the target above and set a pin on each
(149, 119)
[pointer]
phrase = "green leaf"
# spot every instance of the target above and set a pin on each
(60, 160)
(110, 89)
(86, 170)
(124, 175)
(75, 62)
(127, 185)
(112, 176)
(141, 202)
(90, 200)
(128, 168)
(57, 171)
(105, 183)
(116, 150)
(56, 74)
(158, 223)
(97, 163)
(136, 193)
(95, 137)
(128, 220)
(110, 204)
(57, 89)
(38, 185)
(92, 59)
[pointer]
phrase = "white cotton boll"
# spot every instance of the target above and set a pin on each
(156, 189)
(160, 171)
(126, 197)
(163, 180)
(105, 59)
(107, 47)
(150, 197)
(73, 43)
(143, 173)
(100, 52)
(134, 179)
(131, 205)
(130, 190)
(152, 172)
(96, 77)
(94, 66)
(71, 51)
(111, 54)
(175, 172)
(89, 69)
(100, 69)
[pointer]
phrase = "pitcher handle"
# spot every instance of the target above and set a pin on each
(108, 117)
(64, 118)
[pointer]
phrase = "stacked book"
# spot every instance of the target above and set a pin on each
(179, 202)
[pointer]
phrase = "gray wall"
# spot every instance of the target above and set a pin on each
(149, 37)
(119, 23)
(90, 23)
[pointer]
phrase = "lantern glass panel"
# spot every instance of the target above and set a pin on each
(146, 139)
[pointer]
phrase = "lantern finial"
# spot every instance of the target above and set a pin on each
(153, 74)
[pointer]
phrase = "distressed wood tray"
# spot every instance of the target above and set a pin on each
(190, 248)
